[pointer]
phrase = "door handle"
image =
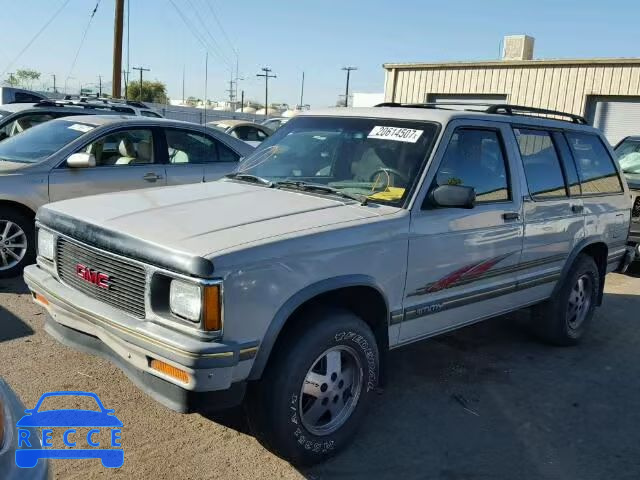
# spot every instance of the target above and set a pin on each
(511, 216)
(152, 177)
(577, 208)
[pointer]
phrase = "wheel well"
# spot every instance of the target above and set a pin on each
(19, 207)
(599, 252)
(364, 301)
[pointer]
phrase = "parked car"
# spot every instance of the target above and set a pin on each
(18, 117)
(11, 410)
(249, 132)
(274, 124)
(85, 155)
(628, 152)
(19, 95)
(126, 106)
(347, 233)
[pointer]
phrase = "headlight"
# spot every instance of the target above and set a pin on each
(45, 244)
(185, 300)
(197, 303)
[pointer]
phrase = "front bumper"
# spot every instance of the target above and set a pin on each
(634, 233)
(216, 371)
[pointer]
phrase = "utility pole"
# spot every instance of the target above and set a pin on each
(99, 86)
(267, 75)
(346, 93)
(54, 83)
(141, 69)
(125, 74)
(232, 95)
(182, 84)
(117, 50)
(242, 103)
(206, 82)
(302, 92)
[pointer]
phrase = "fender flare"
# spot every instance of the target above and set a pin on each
(584, 243)
(307, 293)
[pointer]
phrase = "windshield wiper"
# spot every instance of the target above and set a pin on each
(247, 177)
(300, 185)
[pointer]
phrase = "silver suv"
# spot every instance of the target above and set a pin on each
(84, 155)
(348, 233)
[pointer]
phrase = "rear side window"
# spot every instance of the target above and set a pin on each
(541, 164)
(596, 168)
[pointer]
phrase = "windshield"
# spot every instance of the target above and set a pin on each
(628, 153)
(37, 143)
(379, 159)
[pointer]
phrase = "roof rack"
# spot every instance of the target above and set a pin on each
(87, 105)
(500, 109)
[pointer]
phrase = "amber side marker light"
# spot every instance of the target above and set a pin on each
(212, 313)
(40, 299)
(169, 370)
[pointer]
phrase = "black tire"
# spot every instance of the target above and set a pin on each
(276, 402)
(27, 225)
(556, 321)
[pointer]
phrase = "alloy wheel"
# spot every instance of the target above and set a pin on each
(13, 244)
(331, 390)
(579, 301)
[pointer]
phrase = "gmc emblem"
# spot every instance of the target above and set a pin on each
(101, 280)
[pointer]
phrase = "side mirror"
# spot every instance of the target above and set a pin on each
(81, 160)
(453, 196)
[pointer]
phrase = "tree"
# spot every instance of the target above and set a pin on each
(26, 77)
(152, 91)
(12, 80)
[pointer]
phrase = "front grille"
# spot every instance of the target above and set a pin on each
(126, 280)
(635, 213)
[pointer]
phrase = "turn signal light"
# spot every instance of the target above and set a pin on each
(212, 311)
(40, 299)
(169, 370)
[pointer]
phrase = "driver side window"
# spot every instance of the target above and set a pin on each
(474, 158)
(126, 147)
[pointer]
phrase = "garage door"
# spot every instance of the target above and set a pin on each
(617, 117)
(466, 98)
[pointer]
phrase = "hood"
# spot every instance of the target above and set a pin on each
(7, 167)
(206, 218)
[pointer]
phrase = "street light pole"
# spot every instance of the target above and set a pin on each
(346, 93)
(267, 75)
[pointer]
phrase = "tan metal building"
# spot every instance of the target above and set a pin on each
(605, 91)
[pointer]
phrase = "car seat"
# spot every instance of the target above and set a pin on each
(127, 152)
(145, 152)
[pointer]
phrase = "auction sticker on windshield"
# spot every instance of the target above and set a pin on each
(396, 134)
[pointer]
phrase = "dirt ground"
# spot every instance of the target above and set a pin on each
(487, 402)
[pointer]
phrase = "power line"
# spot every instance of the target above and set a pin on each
(33, 39)
(214, 43)
(84, 36)
(215, 17)
(195, 32)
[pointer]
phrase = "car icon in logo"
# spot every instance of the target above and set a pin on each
(98, 421)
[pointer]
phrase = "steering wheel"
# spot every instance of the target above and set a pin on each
(391, 171)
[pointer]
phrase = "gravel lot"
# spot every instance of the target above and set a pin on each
(487, 402)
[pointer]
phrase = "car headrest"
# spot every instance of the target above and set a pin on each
(126, 149)
(144, 151)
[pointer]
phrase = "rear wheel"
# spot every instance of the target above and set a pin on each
(563, 320)
(17, 249)
(316, 390)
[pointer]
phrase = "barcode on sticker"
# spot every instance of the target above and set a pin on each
(396, 134)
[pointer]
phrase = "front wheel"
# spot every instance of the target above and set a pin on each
(17, 239)
(316, 390)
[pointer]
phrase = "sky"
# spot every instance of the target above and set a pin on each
(292, 36)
